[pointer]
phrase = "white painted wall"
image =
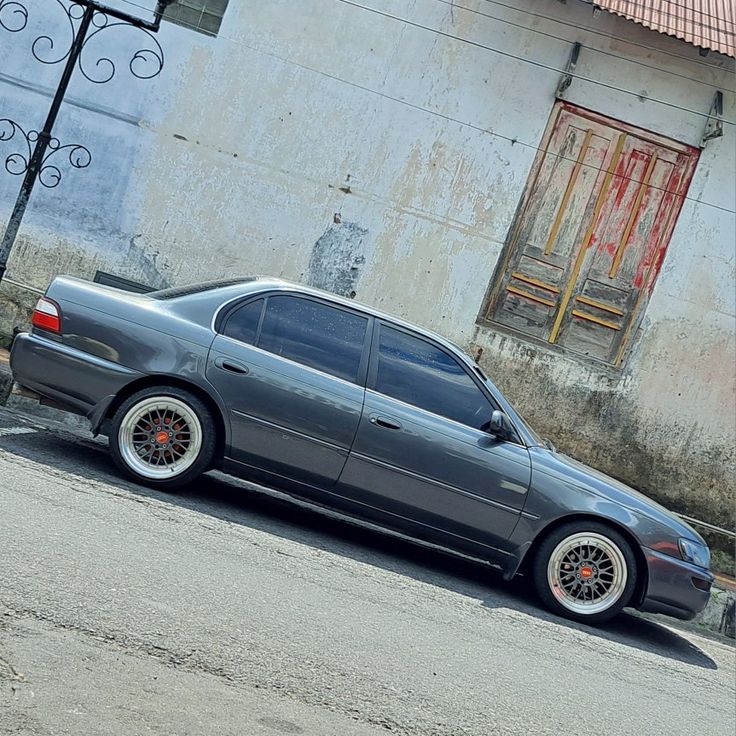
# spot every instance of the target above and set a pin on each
(232, 162)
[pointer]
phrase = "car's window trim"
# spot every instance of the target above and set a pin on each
(373, 376)
(234, 310)
(375, 350)
(228, 308)
(369, 365)
(239, 302)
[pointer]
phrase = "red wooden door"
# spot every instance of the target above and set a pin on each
(594, 226)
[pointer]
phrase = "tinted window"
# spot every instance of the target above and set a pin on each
(242, 324)
(417, 372)
(314, 334)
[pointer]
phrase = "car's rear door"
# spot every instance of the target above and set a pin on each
(291, 369)
(421, 452)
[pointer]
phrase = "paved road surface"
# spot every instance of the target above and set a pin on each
(231, 611)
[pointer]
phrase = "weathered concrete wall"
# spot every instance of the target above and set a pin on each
(324, 143)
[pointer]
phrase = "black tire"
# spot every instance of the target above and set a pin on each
(560, 603)
(199, 462)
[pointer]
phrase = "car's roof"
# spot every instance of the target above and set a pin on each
(238, 288)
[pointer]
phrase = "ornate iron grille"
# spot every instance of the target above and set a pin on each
(38, 155)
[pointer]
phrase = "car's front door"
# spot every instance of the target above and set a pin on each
(422, 453)
(291, 369)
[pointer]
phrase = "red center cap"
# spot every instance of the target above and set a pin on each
(586, 572)
(162, 437)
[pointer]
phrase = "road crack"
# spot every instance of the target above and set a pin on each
(195, 662)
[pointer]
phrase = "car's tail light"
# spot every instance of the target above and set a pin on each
(47, 315)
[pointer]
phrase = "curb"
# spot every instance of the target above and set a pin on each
(20, 400)
(719, 615)
(6, 383)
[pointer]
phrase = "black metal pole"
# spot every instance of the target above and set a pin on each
(44, 138)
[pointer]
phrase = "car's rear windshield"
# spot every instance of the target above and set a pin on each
(177, 291)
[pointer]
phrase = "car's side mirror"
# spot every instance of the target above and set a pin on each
(500, 425)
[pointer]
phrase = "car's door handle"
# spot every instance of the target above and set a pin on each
(232, 366)
(384, 422)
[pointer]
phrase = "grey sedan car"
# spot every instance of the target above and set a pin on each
(354, 409)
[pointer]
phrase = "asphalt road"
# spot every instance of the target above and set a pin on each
(230, 610)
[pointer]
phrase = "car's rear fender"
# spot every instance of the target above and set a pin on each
(202, 389)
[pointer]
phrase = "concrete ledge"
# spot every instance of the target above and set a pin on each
(21, 400)
(719, 616)
(6, 377)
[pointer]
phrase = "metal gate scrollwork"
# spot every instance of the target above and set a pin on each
(38, 155)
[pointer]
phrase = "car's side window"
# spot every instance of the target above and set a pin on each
(419, 373)
(314, 334)
(242, 324)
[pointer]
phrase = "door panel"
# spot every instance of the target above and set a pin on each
(436, 472)
(286, 418)
(296, 397)
(618, 258)
(421, 453)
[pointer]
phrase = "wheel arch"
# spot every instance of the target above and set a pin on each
(642, 570)
(169, 381)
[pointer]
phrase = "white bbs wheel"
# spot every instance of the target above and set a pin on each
(585, 570)
(160, 437)
(587, 573)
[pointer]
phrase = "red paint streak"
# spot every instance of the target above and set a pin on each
(628, 176)
(654, 252)
(614, 205)
(650, 265)
(655, 271)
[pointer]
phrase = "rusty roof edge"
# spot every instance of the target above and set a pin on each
(724, 44)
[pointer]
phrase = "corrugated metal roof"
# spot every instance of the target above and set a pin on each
(710, 24)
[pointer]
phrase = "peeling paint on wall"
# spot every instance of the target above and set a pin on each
(144, 264)
(337, 257)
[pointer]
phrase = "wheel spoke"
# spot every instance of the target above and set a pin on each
(137, 435)
(167, 418)
(592, 590)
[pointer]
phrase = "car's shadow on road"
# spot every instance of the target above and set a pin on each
(241, 503)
